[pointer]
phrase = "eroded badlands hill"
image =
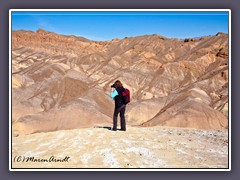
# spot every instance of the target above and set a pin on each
(63, 82)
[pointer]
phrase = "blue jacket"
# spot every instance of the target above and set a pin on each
(117, 96)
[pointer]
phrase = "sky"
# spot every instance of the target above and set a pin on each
(107, 25)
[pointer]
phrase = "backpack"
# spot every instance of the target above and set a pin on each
(126, 96)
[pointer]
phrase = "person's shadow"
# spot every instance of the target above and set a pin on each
(104, 127)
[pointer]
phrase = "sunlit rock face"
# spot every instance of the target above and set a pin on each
(63, 82)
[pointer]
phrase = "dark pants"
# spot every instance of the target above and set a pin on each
(120, 110)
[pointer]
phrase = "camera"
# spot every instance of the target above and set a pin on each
(113, 86)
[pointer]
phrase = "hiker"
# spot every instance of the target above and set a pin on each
(120, 106)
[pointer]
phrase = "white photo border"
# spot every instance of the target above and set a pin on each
(119, 169)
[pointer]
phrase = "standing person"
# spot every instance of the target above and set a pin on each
(120, 107)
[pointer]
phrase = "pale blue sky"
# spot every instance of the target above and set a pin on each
(101, 26)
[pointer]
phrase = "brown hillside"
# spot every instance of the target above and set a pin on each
(63, 82)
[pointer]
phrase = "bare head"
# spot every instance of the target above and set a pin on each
(118, 84)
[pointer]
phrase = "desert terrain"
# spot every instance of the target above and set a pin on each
(152, 147)
(177, 117)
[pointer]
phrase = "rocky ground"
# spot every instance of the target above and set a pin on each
(138, 147)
